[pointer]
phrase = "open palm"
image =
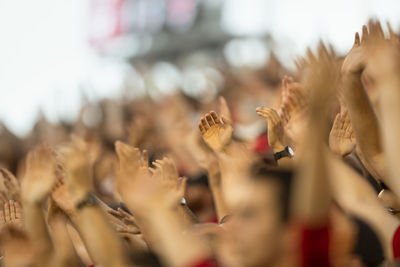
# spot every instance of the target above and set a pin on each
(216, 132)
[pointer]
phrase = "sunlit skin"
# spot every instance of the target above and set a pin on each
(257, 229)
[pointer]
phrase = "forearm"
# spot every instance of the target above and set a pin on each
(37, 229)
(356, 197)
(390, 95)
(188, 218)
(177, 248)
(364, 123)
(219, 201)
(65, 252)
(102, 243)
(312, 193)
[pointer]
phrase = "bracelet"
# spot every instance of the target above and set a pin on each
(89, 200)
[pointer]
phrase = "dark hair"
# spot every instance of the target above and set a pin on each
(281, 177)
(145, 259)
(368, 246)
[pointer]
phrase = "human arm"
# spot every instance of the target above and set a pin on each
(362, 115)
(64, 252)
(154, 198)
(356, 197)
(275, 132)
(36, 186)
(101, 241)
(312, 196)
(210, 163)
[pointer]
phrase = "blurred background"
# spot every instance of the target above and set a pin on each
(58, 55)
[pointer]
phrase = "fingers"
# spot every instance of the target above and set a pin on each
(224, 109)
(365, 34)
(158, 164)
(128, 154)
(336, 122)
(341, 122)
(145, 159)
(2, 218)
(346, 121)
(18, 210)
(8, 176)
(182, 186)
(211, 119)
(201, 128)
(375, 29)
(215, 117)
(125, 152)
(12, 210)
(357, 41)
(392, 34)
(124, 213)
(204, 123)
(269, 114)
(3, 198)
(225, 120)
(7, 213)
(115, 213)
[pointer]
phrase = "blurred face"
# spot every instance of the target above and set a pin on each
(256, 228)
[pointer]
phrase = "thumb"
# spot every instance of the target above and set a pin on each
(224, 109)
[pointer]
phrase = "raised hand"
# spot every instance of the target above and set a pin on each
(129, 224)
(39, 176)
(224, 110)
(11, 214)
(78, 167)
(11, 184)
(3, 198)
(216, 131)
(167, 175)
(342, 140)
(62, 197)
(323, 77)
(293, 108)
(275, 129)
(132, 169)
(356, 60)
(382, 54)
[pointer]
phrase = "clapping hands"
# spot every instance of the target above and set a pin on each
(275, 129)
(342, 140)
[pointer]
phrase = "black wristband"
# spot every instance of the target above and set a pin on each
(287, 152)
(89, 200)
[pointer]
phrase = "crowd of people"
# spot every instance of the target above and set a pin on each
(309, 178)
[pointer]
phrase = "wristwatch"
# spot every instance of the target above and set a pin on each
(287, 152)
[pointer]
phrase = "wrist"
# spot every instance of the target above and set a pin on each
(277, 147)
(88, 201)
(79, 196)
(351, 76)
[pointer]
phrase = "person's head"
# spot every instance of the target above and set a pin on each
(258, 226)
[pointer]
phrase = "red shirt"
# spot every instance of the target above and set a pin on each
(315, 246)
(206, 263)
(396, 244)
